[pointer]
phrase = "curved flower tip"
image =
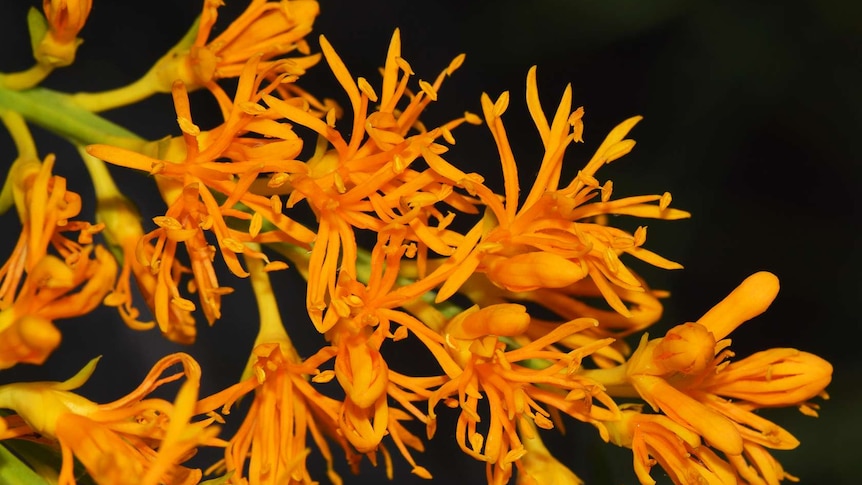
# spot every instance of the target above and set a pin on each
(751, 298)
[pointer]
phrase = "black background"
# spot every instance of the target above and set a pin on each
(751, 117)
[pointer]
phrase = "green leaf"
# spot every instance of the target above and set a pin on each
(38, 26)
(45, 461)
(13, 471)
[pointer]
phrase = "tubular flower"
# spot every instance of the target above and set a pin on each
(202, 192)
(65, 19)
(480, 367)
(683, 375)
(268, 29)
(654, 438)
(134, 440)
(286, 407)
(366, 183)
(123, 231)
(27, 333)
(270, 445)
(45, 209)
(28, 305)
(556, 238)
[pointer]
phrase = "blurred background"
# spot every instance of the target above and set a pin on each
(751, 119)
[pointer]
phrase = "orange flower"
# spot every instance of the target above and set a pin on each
(654, 438)
(65, 19)
(203, 193)
(28, 307)
(27, 333)
(134, 440)
(45, 209)
(685, 375)
(481, 368)
(268, 29)
(556, 238)
(271, 441)
(366, 183)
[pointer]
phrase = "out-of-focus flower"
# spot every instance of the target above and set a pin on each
(27, 333)
(268, 29)
(65, 19)
(53, 288)
(46, 209)
(556, 238)
(134, 440)
(683, 376)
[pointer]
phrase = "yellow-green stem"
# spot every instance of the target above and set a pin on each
(17, 81)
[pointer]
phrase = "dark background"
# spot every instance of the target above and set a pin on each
(751, 117)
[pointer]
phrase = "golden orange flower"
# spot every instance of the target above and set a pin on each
(265, 28)
(270, 445)
(53, 288)
(46, 209)
(683, 375)
(203, 193)
(657, 439)
(366, 182)
(480, 367)
(556, 238)
(134, 440)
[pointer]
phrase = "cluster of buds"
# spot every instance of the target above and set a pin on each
(240, 194)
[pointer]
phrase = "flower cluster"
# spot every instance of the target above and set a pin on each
(279, 182)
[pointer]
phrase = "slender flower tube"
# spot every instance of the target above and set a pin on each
(538, 466)
(270, 445)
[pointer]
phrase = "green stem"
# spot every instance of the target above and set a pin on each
(114, 98)
(56, 113)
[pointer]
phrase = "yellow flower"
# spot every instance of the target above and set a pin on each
(268, 29)
(65, 19)
(134, 440)
(556, 238)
